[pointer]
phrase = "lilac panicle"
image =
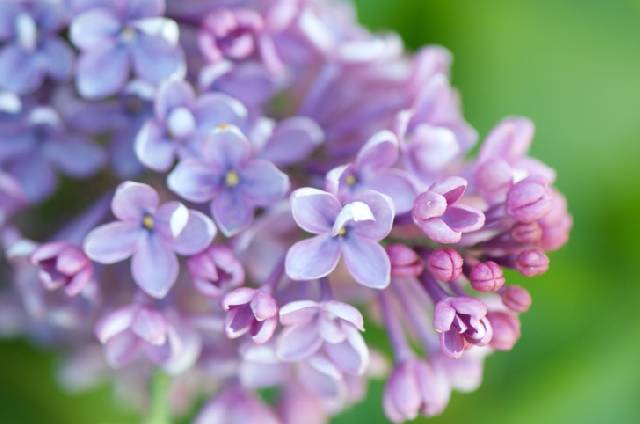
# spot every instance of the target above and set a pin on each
(337, 167)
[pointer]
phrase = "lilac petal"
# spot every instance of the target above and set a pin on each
(186, 231)
(263, 330)
(396, 184)
(452, 344)
(212, 110)
(155, 59)
(351, 355)
(102, 71)
(437, 230)
(153, 149)
(298, 312)
(114, 323)
(79, 282)
(350, 215)
(172, 94)
(226, 145)
(298, 342)
(263, 183)
(367, 262)
(36, 176)
(19, 70)
(231, 212)
(113, 242)
(451, 188)
(154, 267)
(133, 200)
(138, 9)
(237, 297)
(313, 258)
(463, 219)
(238, 322)
(194, 181)
(292, 140)
(321, 376)
(65, 153)
(510, 140)
(314, 210)
(150, 326)
(381, 151)
(331, 330)
(71, 261)
(121, 349)
(345, 312)
(443, 316)
(469, 306)
(58, 57)
(431, 149)
(383, 211)
(263, 306)
(93, 28)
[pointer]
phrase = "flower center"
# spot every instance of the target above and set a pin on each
(147, 222)
(351, 179)
(223, 127)
(128, 34)
(342, 232)
(231, 179)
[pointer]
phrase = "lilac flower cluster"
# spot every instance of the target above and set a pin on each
(257, 177)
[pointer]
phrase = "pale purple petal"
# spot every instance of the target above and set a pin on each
(64, 154)
(383, 211)
(345, 312)
(121, 349)
(19, 70)
(351, 355)
(196, 235)
(138, 9)
(37, 178)
(172, 94)
(451, 188)
(263, 306)
(239, 296)
(114, 323)
(437, 230)
(103, 71)
(237, 322)
(150, 325)
(443, 316)
(58, 57)
(113, 242)
(292, 140)
(153, 149)
(263, 331)
(298, 342)
(452, 344)
(510, 140)
(313, 258)
(212, 110)
(367, 262)
(381, 151)
(463, 219)
(231, 212)
(133, 200)
(314, 210)
(93, 28)
(154, 266)
(262, 183)
(351, 215)
(226, 145)
(155, 59)
(321, 376)
(298, 312)
(396, 184)
(195, 181)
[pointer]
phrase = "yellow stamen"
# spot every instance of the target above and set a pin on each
(231, 179)
(351, 179)
(147, 222)
(128, 34)
(342, 231)
(223, 127)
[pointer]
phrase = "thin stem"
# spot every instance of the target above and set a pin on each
(399, 345)
(275, 276)
(432, 288)
(326, 293)
(159, 412)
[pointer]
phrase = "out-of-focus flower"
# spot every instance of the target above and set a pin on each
(250, 311)
(63, 265)
(151, 234)
(215, 270)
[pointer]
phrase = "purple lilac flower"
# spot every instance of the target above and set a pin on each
(229, 175)
(215, 270)
(330, 327)
(439, 214)
(179, 119)
(461, 322)
(351, 231)
(250, 311)
(287, 142)
(151, 234)
(124, 36)
(39, 144)
(373, 170)
(30, 48)
(63, 265)
(235, 405)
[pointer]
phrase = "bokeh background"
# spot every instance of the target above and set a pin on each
(573, 66)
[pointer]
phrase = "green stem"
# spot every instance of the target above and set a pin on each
(159, 412)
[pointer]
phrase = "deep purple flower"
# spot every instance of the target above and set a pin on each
(31, 49)
(439, 214)
(461, 322)
(231, 178)
(124, 36)
(330, 327)
(351, 231)
(252, 311)
(152, 234)
(39, 144)
(215, 270)
(373, 170)
(179, 119)
(414, 388)
(63, 265)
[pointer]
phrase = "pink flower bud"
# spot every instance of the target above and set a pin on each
(526, 233)
(404, 261)
(486, 277)
(506, 330)
(529, 200)
(445, 264)
(516, 298)
(532, 262)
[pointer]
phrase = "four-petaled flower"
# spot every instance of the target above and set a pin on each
(461, 322)
(152, 234)
(439, 214)
(352, 231)
(252, 311)
(231, 178)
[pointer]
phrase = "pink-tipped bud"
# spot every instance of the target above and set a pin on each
(532, 262)
(526, 233)
(445, 264)
(516, 298)
(404, 261)
(486, 277)
(506, 330)
(530, 199)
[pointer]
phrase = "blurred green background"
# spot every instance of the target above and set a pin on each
(573, 66)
